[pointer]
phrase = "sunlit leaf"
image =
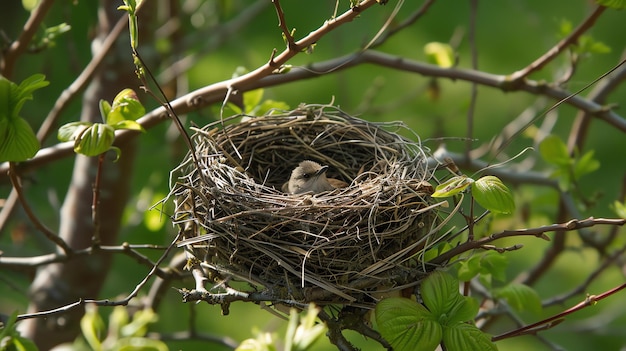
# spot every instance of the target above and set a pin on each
(92, 327)
(492, 194)
(72, 130)
(440, 54)
(96, 140)
(620, 208)
(130, 125)
(126, 106)
(251, 99)
(452, 186)
(466, 337)
(554, 151)
(407, 325)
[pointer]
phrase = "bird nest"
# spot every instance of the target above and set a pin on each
(344, 245)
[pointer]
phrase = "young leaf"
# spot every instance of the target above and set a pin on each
(452, 186)
(469, 268)
(128, 124)
(407, 325)
(92, 327)
(520, 297)
(492, 194)
(494, 263)
(95, 140)
(586, 164)
(251, 100)
(72, 130)
(126, 106)
(619, 208)
(466, 337)
(105, 109)
(440, 54)
(554, 151)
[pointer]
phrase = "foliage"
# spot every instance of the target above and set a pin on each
(550, 81)
(11, 339)
(301, 333)
(442, 319)
(93, 139)
(17, 139)
(488, 191)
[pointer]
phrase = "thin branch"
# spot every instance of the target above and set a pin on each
(282, 23)
(608, 262)
(19, 46)
(72, 91)
(33, 218)
(552, 321)
(559, 47)
(599, 94)
(42, 260)
(402, 25)
(539, 232)
(154, 271)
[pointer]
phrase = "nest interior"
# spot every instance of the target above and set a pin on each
(337, 245)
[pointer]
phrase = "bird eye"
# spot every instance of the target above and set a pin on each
(305, 176)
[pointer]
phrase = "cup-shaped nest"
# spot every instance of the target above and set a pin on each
(336, 246)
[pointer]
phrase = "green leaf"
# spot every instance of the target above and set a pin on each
(469, 268)
(440, 292)
(585, 165)
(492, 194)
(92, 328)
(126, 106)
(452, 186)
(17, 140)
(251, 99)
(130, 125)
(407, 325)
(30, 5)
(620, 208)
(520, 297)
(271, 106)
(105, 109)
(139, 324)
(465, 309)
(466, 337)
(72, 130)
(140, 344)
(494, 263)
(24, 91)
(23, 344)
(96, 140)
(554, 151)
(614, 4)
(440, 54)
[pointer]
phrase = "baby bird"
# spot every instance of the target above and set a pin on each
(311, 177)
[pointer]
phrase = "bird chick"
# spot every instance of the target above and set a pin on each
(311, 177)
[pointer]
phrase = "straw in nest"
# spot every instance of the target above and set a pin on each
(336, 246)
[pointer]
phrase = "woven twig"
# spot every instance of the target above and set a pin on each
(239, 225)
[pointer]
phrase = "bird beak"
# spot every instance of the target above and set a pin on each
(321, 171)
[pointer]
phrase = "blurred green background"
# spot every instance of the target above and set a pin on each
(509, 35)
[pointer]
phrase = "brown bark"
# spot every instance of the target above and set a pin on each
(59, 284)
